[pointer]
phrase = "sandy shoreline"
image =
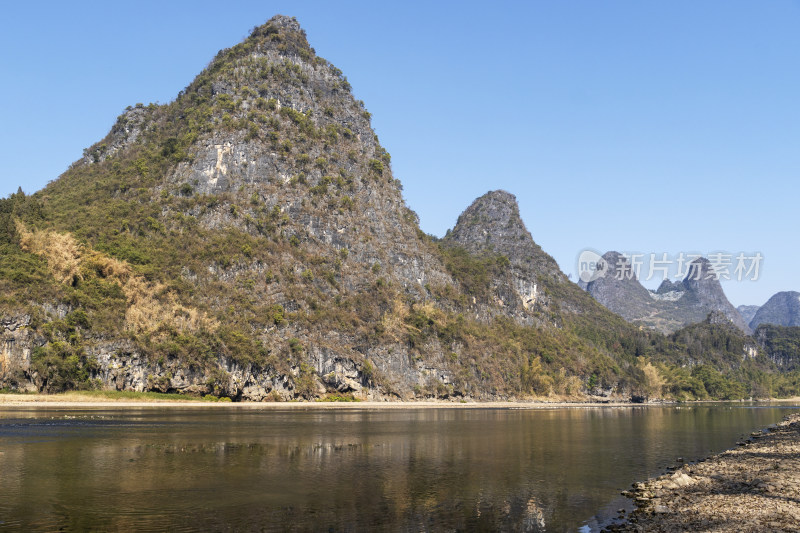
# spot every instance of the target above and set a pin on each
(752, 488)
(75, 399)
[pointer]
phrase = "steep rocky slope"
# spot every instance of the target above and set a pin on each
(235, 233)
(492, 226)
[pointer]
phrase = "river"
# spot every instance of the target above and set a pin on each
(249, 469)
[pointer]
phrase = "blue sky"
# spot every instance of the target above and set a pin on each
(650, 127)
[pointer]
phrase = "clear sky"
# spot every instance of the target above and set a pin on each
(649, 127)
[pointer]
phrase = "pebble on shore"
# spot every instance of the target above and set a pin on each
(752, 488)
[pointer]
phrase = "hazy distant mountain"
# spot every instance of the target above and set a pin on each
(748, 312)
(673, 305)
(783, 309)
(621, 293)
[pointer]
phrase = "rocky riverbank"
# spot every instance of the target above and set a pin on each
(752, 488)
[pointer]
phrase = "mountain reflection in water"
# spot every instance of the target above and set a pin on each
(239, 468)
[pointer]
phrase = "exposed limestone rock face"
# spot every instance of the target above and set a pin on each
(17, 340)
(783, 309)
(121, 367)
(492, 226)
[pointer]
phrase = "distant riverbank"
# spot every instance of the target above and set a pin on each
(140, 399)
(124, 399)
(752, 488)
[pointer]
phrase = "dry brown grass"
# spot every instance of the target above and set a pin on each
(654, 382)
(150, 304)
(396, 324)
(62, 252)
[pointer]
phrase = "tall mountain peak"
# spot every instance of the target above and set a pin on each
(264, 189)
(491, 220)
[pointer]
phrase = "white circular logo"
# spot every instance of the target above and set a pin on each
(591, 266)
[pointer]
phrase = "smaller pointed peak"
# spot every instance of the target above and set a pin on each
(492, 211)
(492, 223)
(502, 204)
(619, 266)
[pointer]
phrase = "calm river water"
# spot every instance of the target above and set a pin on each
(236, 468)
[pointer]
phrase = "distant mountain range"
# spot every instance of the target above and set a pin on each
(680, 303)
(671, 307)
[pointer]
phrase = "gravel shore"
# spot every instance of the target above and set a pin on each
(752, 488)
